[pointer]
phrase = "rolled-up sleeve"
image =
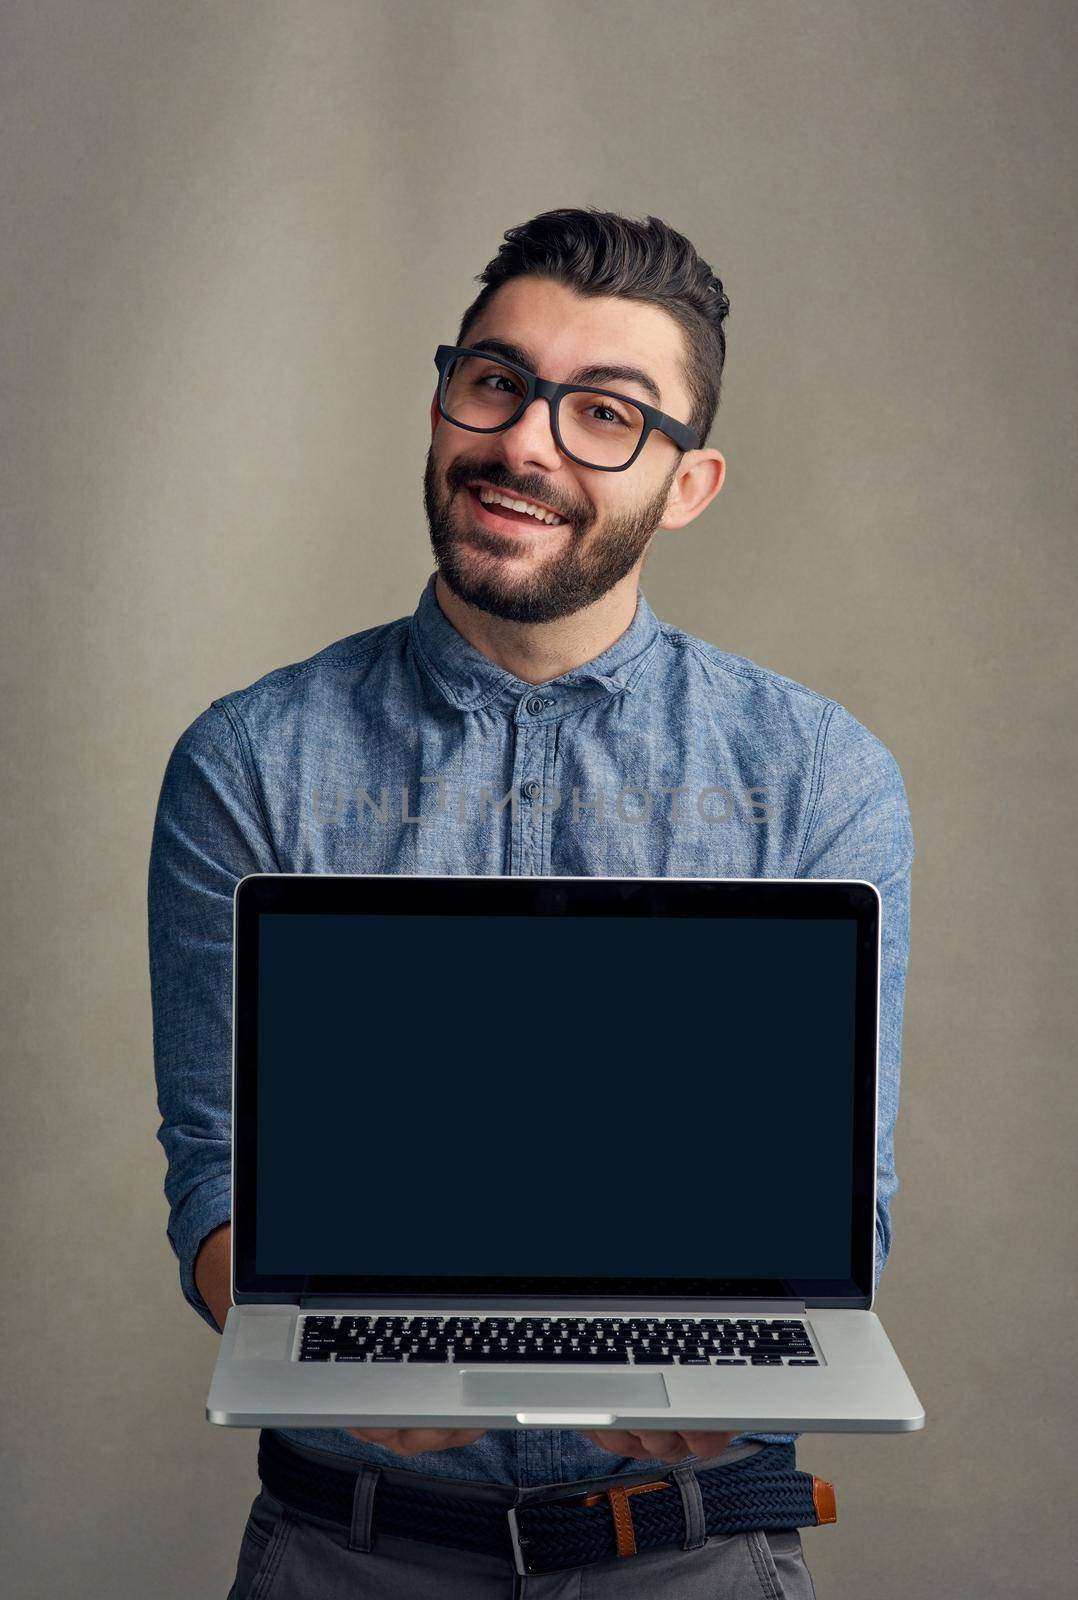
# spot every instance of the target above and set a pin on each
(209, 831)
(860, 828)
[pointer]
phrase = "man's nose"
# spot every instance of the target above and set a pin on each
(531, 439)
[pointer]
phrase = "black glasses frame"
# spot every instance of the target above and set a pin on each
(546, 389)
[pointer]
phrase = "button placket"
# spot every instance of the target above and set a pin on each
(531, 817)
(531, 830)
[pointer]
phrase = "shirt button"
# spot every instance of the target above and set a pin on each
(535, 704)
(531, 789)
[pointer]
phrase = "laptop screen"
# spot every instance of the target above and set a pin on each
(651, 1091)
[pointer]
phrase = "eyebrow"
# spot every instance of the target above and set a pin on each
(599, 372)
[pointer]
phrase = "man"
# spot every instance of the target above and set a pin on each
(532, 717)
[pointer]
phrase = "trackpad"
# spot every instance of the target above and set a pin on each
(565, 1391)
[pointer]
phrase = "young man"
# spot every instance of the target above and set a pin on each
(532, 716)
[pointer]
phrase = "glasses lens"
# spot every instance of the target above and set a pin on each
(598, 429)
(481, 393)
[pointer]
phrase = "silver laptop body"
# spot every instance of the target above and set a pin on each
(650, 1103)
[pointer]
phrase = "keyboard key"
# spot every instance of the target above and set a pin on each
(582, 1358)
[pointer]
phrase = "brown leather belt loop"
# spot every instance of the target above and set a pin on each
(624, 1533)
(823, 1498)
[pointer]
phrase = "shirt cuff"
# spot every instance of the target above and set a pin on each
(204, 1209)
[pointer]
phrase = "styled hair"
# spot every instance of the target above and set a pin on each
(601, 253)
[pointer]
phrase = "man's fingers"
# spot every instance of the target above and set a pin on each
(413, 1441)
(707, 1444)
(664, 1446)
(617, 1442)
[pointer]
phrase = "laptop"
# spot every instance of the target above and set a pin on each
(555, 1152)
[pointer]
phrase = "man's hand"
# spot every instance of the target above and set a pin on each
(641, 1446)
(659, 1446)
(414, 1441)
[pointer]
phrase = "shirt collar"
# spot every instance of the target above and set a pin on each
(469, 680)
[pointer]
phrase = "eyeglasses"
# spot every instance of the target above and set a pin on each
(487, 394)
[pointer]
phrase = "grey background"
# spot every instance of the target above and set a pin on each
(232, 236)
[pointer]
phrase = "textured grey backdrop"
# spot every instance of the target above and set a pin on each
(232, 235)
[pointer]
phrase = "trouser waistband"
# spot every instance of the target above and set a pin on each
(563, 1529)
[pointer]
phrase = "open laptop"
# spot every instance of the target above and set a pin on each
(555, 1152)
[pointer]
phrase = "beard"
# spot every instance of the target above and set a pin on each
(477, 565)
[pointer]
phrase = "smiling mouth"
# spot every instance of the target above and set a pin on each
(502, 518)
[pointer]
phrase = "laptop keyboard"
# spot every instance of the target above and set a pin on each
(606, 1341)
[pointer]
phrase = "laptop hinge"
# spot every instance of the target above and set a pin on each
(768, 1307)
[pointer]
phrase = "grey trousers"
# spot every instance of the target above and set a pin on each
(288, 1556)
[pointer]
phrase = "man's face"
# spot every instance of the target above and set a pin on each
(532, 572)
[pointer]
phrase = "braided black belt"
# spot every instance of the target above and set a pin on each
(761, 1491)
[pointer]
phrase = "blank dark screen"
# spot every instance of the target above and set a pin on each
(555, 1096)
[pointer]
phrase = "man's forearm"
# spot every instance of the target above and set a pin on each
(213, 1272)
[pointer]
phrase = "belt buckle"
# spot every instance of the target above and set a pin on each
(618, 1497)
(519, 1560)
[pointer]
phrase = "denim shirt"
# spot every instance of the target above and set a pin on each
(404, 749)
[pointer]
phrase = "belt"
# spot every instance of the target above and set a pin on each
(762, 1491)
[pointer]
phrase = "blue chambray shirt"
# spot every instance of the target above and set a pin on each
(404, 749)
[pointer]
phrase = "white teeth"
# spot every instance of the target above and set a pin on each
(489, 498)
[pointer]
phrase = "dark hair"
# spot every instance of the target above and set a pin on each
(600, 253)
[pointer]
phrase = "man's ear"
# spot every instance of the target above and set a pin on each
(435, 414)
(699, 478)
